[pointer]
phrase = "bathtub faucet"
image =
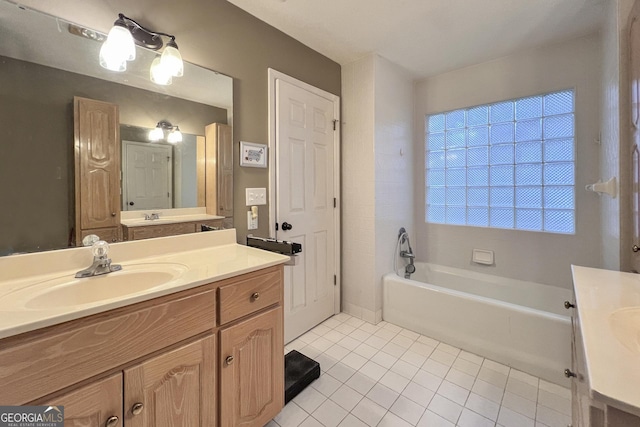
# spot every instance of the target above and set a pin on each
(403, 238)
(407, 254)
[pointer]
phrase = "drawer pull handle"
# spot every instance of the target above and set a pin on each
(568, 305)
(137, 408)
(229, 360)
(112, 421)
(568, 373)
(255, 296)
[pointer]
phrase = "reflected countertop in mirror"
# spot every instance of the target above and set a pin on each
(43, 65)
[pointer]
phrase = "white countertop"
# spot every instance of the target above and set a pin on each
(208, 257)
(613, 368)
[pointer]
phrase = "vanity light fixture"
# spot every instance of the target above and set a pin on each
(120, 48)
(158, 133)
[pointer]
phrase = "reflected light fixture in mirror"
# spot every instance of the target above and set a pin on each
(158, 133)
(120, 48)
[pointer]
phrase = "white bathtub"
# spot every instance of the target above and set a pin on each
(520, 324)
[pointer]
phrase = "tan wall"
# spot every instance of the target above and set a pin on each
(217, 35)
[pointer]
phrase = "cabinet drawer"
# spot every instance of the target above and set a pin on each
(249, 295)
(151, 231)
(110, 235)
(38, 364)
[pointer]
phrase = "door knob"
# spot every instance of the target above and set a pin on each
(137, 408)
(635, 248)
(112, 421)
(131, 203)
(286, 226)
(568, 305)
(568, 373)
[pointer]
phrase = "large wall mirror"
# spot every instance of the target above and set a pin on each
(44, 63)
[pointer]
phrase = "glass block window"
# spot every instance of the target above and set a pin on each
(504, 165)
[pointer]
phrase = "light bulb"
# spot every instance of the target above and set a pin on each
(159, 74)
(175, 136)
(171, 59)
(120, 37)
(111, 59)
(118, 48)
(156, 134)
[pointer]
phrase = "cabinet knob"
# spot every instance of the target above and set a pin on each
(137, 408)
(255, 296)
(568, 373)
(113, 214)
(568, 305)
(635, 248)
(229, 360)
(112, 421)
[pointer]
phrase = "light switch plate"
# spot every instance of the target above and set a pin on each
(256, 196)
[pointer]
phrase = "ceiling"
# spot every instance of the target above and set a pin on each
(428, 37)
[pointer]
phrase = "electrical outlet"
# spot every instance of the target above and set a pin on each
(256, 196)
(252, 223)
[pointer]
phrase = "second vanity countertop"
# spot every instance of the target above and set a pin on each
(608, 304)
(163, 220)
(202, 258)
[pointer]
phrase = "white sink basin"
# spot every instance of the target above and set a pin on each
(625, 325)
(67, 291)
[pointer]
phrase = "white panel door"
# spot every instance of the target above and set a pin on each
(147, 176)
(305, 202)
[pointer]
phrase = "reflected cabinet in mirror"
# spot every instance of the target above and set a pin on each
(49, 196)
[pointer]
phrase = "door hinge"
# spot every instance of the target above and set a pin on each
(168, 195)
(335, 202)
(335, 124)
(335, 280)
(276, 226)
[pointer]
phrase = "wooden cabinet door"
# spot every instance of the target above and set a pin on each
(252, 370)
(176, 388)
(97, 163)
(93, 404)
(219, 170)
(225, 171)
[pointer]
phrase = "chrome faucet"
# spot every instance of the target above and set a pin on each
(101, 261)
(152, 216)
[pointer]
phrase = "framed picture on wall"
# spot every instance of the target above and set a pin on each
(253, 155)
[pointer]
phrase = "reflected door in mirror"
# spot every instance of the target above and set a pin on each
(147, 168)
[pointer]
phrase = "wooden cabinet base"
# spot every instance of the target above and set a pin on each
(155, 363)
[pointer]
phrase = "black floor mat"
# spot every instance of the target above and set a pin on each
(299, 372)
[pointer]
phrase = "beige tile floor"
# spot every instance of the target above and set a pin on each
(386, 376)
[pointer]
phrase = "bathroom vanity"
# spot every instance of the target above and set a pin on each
(193, 337)
(605, 368)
